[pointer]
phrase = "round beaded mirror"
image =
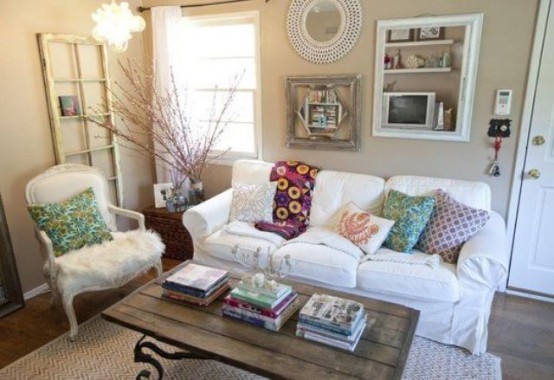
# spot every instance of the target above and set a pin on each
(323, 31)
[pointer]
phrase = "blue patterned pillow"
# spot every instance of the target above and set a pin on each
(411, 215)
(71, 224)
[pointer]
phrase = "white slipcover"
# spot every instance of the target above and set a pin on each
(454, 300)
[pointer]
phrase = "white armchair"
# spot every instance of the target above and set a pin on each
(99, 267)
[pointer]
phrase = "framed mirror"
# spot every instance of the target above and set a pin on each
(324, 112)
(425, 75)
(11, 296)
(323, 31)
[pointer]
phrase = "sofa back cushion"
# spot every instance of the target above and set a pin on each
(251, 172)
(334, 190)
(470, 193)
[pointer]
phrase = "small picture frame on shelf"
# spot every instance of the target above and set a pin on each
(430, 33)
(400, 35)
(69, 105)
(160, 191)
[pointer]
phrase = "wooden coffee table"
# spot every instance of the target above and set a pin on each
(204, 333)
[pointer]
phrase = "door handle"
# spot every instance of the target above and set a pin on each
(534, 173)
(538, 140)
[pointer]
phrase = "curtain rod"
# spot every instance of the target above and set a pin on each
(144, 9)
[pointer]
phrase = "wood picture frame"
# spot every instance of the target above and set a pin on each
(400, 35)
(323, 112)
(430, 33)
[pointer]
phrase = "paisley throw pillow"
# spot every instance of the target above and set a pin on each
(253, 203)
(363, 229)
(451, 225)
(71, 224)
(411, 215)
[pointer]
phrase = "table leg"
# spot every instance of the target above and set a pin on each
(143, 357)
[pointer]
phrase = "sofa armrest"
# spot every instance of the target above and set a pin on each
(483, 260)
(129, 214)
(209, 216)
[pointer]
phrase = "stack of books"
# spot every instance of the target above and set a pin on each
(262, 307)
(334, 321)
(196, 284)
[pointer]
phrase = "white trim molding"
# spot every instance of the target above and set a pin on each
(41, 289)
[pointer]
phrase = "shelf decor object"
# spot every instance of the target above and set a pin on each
(77, 80)
(323, 112)
(433, 77)
(323, 31)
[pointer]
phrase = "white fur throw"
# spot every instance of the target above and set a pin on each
(102, 265)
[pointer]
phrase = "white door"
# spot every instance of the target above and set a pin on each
(532, 267)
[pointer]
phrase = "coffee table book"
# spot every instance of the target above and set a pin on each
(261, 300)
(334, 321)
(195, 276)
(196, 284)
(268, 312)
(273, 324)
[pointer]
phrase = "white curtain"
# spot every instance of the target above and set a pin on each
(168, 55)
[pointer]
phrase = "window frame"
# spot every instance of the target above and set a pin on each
(251, 17)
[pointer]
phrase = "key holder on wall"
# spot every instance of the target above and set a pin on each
(499, 129)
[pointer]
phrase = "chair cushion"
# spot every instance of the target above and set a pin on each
(252, 203)
(109, 264)
(411, 214)
(450, 226)
(365, 230)
(420, 282)
(71, 224)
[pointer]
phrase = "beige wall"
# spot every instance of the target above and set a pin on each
(25, 141)
(505, 48)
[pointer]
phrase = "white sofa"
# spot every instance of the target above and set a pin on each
(454, 300)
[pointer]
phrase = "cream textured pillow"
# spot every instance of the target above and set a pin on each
(253, 203)
(363, 229)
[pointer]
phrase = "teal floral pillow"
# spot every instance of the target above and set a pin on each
(411, 215)
(71, 224)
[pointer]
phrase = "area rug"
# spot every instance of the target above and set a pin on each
(105, 351)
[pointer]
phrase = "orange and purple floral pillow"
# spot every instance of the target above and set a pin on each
(293, 198)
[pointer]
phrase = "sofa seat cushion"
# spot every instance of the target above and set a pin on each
(321, 262)
(419, 282)
(224, 241)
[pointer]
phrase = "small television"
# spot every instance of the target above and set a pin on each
(410, 110)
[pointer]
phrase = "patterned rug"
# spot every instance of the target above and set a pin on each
(105, 351)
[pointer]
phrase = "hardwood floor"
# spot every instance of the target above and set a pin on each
(521, 330)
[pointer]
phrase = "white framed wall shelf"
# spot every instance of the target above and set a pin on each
(76, 79)
(422, 60)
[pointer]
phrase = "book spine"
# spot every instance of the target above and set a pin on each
(331, 334)
(253, 299)
(175, 297)
(272, 313)
(178, 288)
(234, 302)
(281, 290)
(255, 321)
(325, 326)
(328, 341)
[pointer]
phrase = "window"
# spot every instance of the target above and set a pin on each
(219, 48)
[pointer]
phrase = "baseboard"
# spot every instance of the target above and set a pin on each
(530, 295)
(36, 291)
